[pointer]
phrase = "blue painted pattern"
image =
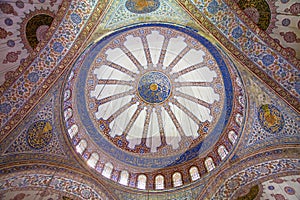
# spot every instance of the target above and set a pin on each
(154, 87)
(270, 118)
(150, 162)
(142, 7)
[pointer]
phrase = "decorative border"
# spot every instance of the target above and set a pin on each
(13, 76)
(236, 165)
(16, 115)
(259, 171)
(49, 177)
(203, 21)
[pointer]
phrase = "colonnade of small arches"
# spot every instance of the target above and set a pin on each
(159, 180)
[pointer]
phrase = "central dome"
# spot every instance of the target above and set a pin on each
(151, 96)
(155, 91)
(154, 87)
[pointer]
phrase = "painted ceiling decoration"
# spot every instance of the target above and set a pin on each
(141, 7)
(261, 13)
(149, 99)
(23, 26)
(143, 86)
(49, 183)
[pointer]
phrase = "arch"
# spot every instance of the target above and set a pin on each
(141, 182)
(92, 161)
(159, 182)
(81, 146)
(194, 173)
(232, 137)
(107, 171)
(209, 164)
(68, 113)
(239, 119)
(222, 151)
(177, 179)
(67, 95)
(73, 130)
(124, 177)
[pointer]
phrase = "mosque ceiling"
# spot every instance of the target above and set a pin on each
(149, 99)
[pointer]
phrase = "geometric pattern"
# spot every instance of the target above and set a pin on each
(52, 145)
(59, 184)
(23, 22)
(163, 10)
(259, 134)
(254, 173)
(286, 187)
(270, 118)
(248, 41)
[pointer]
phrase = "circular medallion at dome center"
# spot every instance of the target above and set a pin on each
(154, 87)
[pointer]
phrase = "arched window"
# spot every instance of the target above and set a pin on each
(177, 179)
(68, 113)
(239, 119)
(232, 137)
(124, 177)
(141, 182)
(93, 159)
(242, 101)
(159, 182)
(81, 146)
(194, 173)
(209, 164)
(222, 151)
(73, 130)
(67, 95)
(108, 168)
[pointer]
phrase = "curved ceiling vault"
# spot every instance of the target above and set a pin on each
(149, 99)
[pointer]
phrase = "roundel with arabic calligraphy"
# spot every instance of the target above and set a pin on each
(152, 91)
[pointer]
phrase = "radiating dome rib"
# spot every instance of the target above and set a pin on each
(121, 56)
(175, 46)
(133, 132)
(188, 69)
(112, 110)
(163, 52)
(171, 132)
(120, 122)
(153, 136)
(189, 127)
(200, 74)
(132, 47)
(155, 43)
(186, 111)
